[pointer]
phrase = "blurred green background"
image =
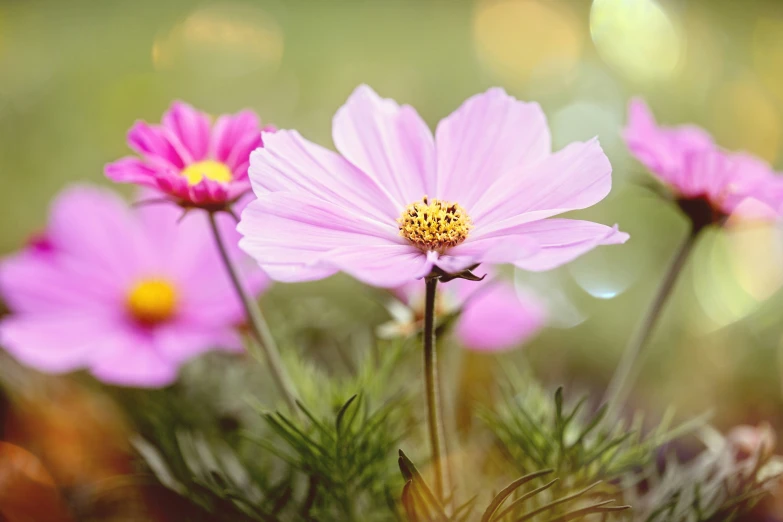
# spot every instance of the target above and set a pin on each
(77, 73)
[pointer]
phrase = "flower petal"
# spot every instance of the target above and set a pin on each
(132, 360)
(497, 318)
(191, 128)
(490, 250)
(575, 177)
(132, 170)
(288, 162)
(382, 265)
(661, 149)
(563, 240)
(488, 136)
(56, 343)
(290, 234)
(388, 142)
(181, 341)
(234, 137)
(156, 145)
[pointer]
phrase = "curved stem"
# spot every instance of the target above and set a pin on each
(258, 326)
(624, 375)
(432, 388)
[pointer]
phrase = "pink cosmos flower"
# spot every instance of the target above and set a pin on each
(129, 294)
(187, 158)
(492, 316)
(399, 202)
(692, 165)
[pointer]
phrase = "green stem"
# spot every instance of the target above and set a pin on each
(432, 388)
(258, 325)
(625, 374)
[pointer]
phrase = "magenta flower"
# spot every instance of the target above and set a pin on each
(398, 202)
(697, 171)
(128, 294)
(492, 316)
(188, 159)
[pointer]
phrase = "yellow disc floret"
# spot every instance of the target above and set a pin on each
(432, 224)
(209, 169)
(152, 301)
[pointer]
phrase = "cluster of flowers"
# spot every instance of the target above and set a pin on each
(130, 293)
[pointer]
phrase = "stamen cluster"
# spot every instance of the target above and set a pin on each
(434, 225)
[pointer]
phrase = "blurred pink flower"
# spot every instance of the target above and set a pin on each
(129, 294)
(399, 202)
(493, 316)
(692, 165)
(189, 159)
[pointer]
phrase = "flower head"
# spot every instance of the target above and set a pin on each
(187, 158)
(129, 294)
(709, 184)
(490, 314)
(398, 203)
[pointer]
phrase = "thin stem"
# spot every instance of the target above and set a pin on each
(432, 388)
(625, 374)
(258, 325)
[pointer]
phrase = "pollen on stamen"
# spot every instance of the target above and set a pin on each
(152, 301)
(434, 225)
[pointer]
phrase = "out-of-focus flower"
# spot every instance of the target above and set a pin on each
(397, 203)
(709, 184)
(752, 440)
(492, 316)
(189, 159)
(129, 294)
(27, 490)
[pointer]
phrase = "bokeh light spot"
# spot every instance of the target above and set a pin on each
(637, 37)
(746, 118)
(520, 39)
(221, 40)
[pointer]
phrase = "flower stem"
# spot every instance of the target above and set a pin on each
(258, 325)
(432, 388)
(625, 374)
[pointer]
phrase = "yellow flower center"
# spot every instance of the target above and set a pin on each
(209, 169)
(434, 224)
(152, 301)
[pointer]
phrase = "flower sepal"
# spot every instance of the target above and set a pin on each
(445, 277)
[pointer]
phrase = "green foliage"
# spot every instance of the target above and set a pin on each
(527, 501)
(539, 431)
(717, 485)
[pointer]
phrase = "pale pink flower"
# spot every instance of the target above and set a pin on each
(128, 294)
(189, 159)
(399, 202)
(687, 160)
(491, 315)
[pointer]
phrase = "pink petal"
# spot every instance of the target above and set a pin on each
(57, 342)
(155, 144)
(563, 240)
(282, 229)
(490, 135)
(490, 250)
(234, 138)
(497, 318)
(385, 266)
(576, 177)
(191, 128)
(388, 142)
(180, 342)
(132, 360)
(95, 226)
(661, 149)
(288, 162)
(131, 170)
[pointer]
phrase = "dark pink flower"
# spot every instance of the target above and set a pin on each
(398, 202)
(708, 183)
(129, 294)
(189, 159)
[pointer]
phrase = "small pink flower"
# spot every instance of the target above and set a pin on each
(129, 294)
(704, 178)
(399, 202)
(186, 157)
(492, 315)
